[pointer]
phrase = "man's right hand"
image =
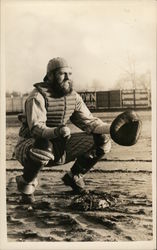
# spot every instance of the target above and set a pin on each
(63, 132)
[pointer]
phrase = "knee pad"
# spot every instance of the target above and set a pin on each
(42, 151)
(102, 143)
(85, 162)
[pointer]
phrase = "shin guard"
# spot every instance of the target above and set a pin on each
(87, 160)
(34, 164)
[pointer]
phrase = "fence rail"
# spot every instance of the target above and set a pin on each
(98, 100)
(116, 99)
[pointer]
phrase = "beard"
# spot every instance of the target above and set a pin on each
(63, 88)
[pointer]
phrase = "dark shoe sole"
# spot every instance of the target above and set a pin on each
(69, 182)
(27, 199)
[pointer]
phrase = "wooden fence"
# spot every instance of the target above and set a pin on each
(15, 104)
(116, 99)
(136, 98)
(98, 100)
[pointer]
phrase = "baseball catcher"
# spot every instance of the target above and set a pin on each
(46, 140)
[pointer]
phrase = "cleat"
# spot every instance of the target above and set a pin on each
(24, 187)
(76, 182)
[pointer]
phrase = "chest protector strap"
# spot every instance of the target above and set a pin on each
(59, 109)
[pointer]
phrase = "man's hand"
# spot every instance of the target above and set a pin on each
(63, 132)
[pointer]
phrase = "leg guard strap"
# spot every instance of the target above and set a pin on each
(32, 167)
(85, 162)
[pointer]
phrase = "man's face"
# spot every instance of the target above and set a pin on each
(62, 80)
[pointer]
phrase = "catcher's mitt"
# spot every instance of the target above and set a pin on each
(125, 128)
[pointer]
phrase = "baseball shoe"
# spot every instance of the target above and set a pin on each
(24, 186)
(27, 198)
(27, 189)
(76, 182)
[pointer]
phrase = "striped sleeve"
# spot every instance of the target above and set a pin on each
(83, 118)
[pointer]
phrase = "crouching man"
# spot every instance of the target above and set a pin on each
(45, 139)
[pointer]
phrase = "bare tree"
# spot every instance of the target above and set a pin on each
(131, 79)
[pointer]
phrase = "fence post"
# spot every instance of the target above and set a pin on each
(148, 96)
(96, 105)
(122, 96)
(109, 99)
(134, 96)
(21, 103)
(12, 104)
(121, 102)
(95, 100)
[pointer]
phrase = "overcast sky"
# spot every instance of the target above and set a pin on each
(96, 37)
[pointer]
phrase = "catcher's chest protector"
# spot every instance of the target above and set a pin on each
(59, 109)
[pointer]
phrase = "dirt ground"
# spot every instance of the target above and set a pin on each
(124, 176)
